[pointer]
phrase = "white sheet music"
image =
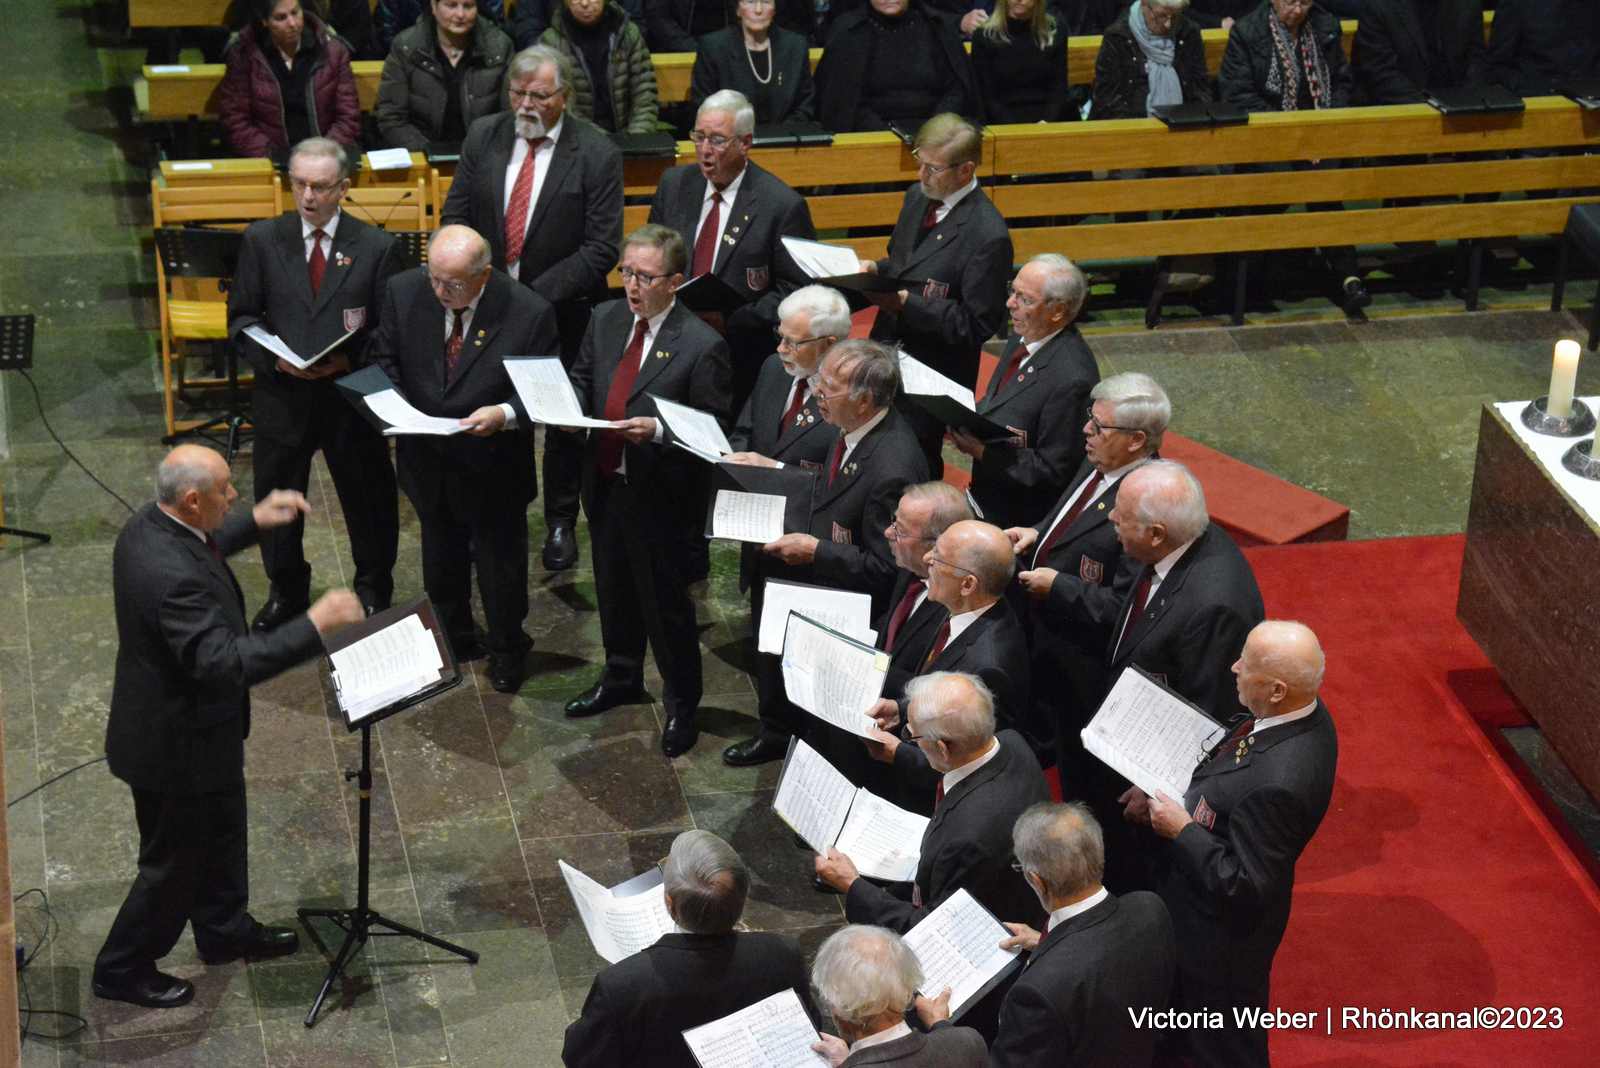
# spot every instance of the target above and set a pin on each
(831, 676)
(813, 798)
(545, 390)
(819, 260)
(753, 517)
(1149, 736)
(775, 1032)
(883, 839)
(385, 666)
(618, 927)
(917, 377)
(845, 611)
(958, 946)
(275, 345)
(389, 159)
(697, 431)
(402, 418)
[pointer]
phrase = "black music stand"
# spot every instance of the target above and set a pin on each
(197, 252)
(411, 247)
(358, 922)
(16, 354)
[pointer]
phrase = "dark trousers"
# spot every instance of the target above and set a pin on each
(642, 590)
(193, 868)
(462, 529)
(363, 476)
(561, 472)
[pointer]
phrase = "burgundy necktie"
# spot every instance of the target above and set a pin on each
(318, 263)
(517, 209)
(1141, 593)
(705, 244)
(796, 403)
(1240, 732)
(216, 550)
(838, 458)
(930, 218)
(609, 453)
(1089, 490)
(902, 612)
(938, 794)
(938, 645)
(452, 348)
(1012, 365)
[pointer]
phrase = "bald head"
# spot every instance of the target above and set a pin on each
(983, 550)
(193, 484)
(458, 265)
(1280, 669)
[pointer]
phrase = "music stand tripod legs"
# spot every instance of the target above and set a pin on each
(16, 354)
(358, 923)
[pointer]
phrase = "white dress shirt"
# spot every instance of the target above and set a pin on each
(729, 192)
(1267, 722)
(953, 778)
(541, 170)
(328, 230)
(1107, 480)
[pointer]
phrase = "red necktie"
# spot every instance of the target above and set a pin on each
(216, 550)
(797, 402)
(938, 644)
(705, 244)
(1012, 365)
(609, 456)
(838, 458)
(452, 348)
(1141, 593)
(1240, 732)
(1089, 490)
(517, 209)
(938, 794)
(1045, 929)
(930, 218)
(902, 612)
(318, 263)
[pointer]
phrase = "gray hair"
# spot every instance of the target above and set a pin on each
(1065, 283)
(533, 59)
(871, 369)
(1139, 402)
(828, 313)
(734, 103)
(952, 707)
(1171, 496)
(949, 130)
(707, 881)
(949, 505)
(177, 476)
(1062, 844)
(1289, 651)
(326, 148)
(863, 972)
(482, 255)
(674, 254)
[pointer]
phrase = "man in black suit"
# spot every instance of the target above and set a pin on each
(1038, 393)
(447, 329)
(734, 214)
(310, 278)
(1405, 47)
(180, 712)
(865, 977)
(638, 1008)
(644, 499)
(1538, 46)
(1100, 960)
(954, 246)
(1076, 577)
(1231, 845)
(545, 188)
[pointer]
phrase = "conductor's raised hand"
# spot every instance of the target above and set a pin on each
(280, 507)
(335, 610)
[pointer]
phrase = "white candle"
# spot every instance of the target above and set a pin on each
(1563, 378)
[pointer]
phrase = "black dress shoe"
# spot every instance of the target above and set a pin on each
(371, 603)
(157, 990)
(277, 611)
(762, 749)
(468, 647)
(505, 671)
(679, 734)
(1355, 294)
(263, 943)
(601, 698)
(560, 548)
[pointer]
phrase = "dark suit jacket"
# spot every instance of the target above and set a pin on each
(1229, 886)
(272, 288)
(945, 1047)
(1194, 627)
(1070, 1004)
(1394, 54)
(720, 62)
(511, 321)
(842, 72)
(575, 227)
(961, 268)
(967, 846)
(638, 1007)
(1046, 400)
(1537, 45)
(750, 257)
(186, 657)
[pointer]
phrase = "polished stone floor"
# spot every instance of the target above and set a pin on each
(479, 794)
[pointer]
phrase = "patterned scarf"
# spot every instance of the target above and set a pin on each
(1284, 77)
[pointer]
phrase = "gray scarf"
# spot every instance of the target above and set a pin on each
(1159, 52)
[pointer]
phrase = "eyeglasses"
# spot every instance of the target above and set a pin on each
(453, 288)
(1101, 428)
(646, 280)
(932, 559)
(901, 534)
(700, 137)
(792, 343)
(519, 95)
(321, 189)
(932, 168)
(1022, 298)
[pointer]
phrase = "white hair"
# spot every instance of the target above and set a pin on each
(1171, 496)
(828, 313)
(953, 708)
(1064, 282)
(1138, 403)
(734, 103)
(863, 972)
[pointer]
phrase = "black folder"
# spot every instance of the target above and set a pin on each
(1475, 100)
(1200, 115)
(792, 135)
(794, 484)
(1585, 92)
(443, 151)
(449, 671)
(952, 413)
(646, 145)
(708, 293)
(356, 385)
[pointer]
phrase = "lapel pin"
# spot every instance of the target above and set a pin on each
(662, 354)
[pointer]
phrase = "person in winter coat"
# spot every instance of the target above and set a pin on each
(444, 72)
(613, 81)
(288, 78)
(1152, 55)
(392, 16)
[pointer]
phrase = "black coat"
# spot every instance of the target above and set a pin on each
(1017, 81)
(638, 1008)
(186, 657)
(1043, 405)
(1250, 56)
(722, 63)
(413, 93)
(1535, 46)
(1395, 57)
(943, 1047)
(1121, 82)
(272, 289)
(842, 72)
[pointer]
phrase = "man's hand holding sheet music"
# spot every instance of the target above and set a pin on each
(1167, 817)
(485, 421)
(793, 549)
(881, 745)
(750, 459)
(639, 430)
(837, 870)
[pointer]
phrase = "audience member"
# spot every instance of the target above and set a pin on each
(1232, 841)
(645, 499)
(770, 65)
(894, 63)
(613, 80)
(392, 16)
(442, 75)
(1405, 47)
(1150, 57)
(1221, 14)
(1019, 65)
(288, 78)
(1537, 46)
(638, 1008)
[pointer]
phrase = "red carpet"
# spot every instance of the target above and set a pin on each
(1436, 882)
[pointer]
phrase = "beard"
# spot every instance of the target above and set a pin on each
(530, 129)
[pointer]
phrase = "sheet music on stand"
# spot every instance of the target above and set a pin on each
(546, 392)
(958, 946)
(692, 429)
(846, 611)
(1149, 735)
(623, 919)
(390, 661)
(832, 675)
(821, 806)
(775, 1032)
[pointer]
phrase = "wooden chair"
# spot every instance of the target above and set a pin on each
(391, 207)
